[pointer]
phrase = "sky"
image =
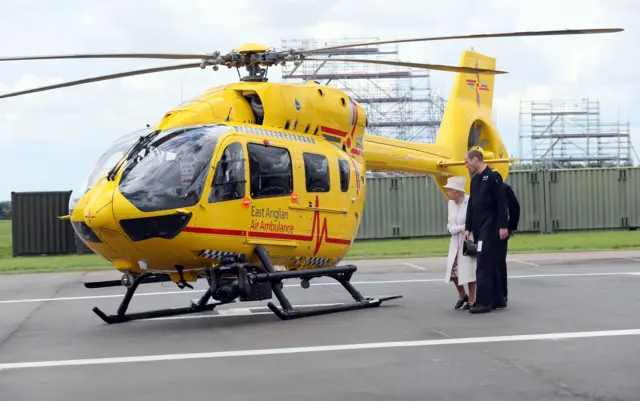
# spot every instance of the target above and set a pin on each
(51, 140)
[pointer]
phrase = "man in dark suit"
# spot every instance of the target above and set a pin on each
(514, 218)
(487, 220)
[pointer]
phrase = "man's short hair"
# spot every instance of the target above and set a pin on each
(475, 153)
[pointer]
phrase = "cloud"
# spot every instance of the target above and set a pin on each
(50, 140)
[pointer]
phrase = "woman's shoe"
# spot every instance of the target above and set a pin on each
(468, 306)
(461, 302)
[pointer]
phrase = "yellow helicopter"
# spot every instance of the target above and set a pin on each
(253, 175)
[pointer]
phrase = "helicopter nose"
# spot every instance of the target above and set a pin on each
(99, 214)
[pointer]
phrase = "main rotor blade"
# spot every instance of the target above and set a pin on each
(103, 78)
(439, 67)
(475, 36)
(112, 55)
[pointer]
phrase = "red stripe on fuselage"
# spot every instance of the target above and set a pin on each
(262, 234)
(218, 231)
(333, 131)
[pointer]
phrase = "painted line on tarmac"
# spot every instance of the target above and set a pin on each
(415, 266)
(311, 349)
(524, 263)
(553, 275)
(250, 311)
(16, 301)
(427, 280)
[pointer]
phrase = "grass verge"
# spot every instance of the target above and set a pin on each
(419, 247)
(520, 243)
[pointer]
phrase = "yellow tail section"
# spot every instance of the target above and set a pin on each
(467, 124)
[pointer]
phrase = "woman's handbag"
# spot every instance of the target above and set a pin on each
(469, 248)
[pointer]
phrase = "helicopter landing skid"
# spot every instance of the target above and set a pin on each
(121, 316)
(341, 274)
(237, 279)
(288, 312)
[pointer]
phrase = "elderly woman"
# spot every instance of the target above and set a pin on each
(461, 269)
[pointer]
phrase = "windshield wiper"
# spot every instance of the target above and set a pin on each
(142, 142)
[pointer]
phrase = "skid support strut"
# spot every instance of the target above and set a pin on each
(121, 316)
(341, 274)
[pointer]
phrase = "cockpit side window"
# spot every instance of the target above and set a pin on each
(271, 171)
(229, 181)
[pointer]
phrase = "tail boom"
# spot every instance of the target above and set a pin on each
(385, 154)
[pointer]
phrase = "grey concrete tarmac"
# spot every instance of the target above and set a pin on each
(49, 318)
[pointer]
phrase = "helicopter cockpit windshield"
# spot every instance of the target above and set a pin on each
(170, 171)
(116, 151)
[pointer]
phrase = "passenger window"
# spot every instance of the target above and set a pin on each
(316, 169)
(228, 181)
(344, 174)
(271, 171)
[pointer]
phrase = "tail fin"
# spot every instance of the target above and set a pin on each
(475, 88)
(467, 123)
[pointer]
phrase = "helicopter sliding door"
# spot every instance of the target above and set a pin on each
(271, 189)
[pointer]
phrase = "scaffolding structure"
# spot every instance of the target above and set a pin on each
(568, 133)
(399, 101)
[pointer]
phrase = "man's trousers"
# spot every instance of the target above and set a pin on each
(502, 265)
(490, 282)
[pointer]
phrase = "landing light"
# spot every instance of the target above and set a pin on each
(127, 280)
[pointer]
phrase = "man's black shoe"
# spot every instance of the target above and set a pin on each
(499, 305)
(479, 309)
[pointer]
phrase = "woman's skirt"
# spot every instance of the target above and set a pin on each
(454, 269)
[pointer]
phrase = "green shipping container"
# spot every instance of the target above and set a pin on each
(587, 199)
(36, 227)
(550, 201)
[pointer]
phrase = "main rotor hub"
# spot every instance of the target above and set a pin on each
(255, 58)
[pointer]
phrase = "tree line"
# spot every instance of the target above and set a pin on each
(5, 210)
